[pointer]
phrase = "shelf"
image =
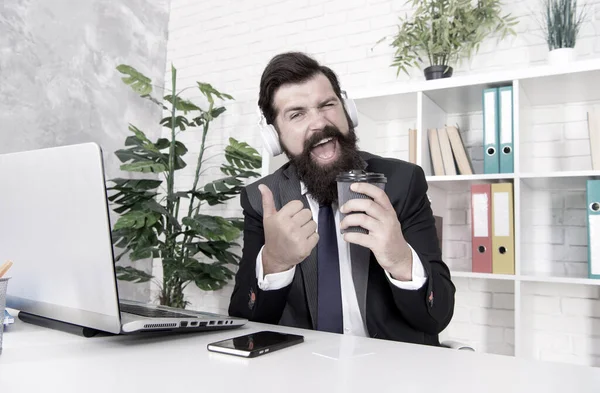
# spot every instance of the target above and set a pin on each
(551, 175)
(489, 276)
(532, 277)
(537, 277)
(462, 99)
(460, 182)
(573, 180)
(531, 76)
(562, 89)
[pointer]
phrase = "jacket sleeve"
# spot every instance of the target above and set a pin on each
(430, 308)
(248, 300)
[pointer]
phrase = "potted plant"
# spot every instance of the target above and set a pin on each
(560, 24)
(445, 31)
(158, 221)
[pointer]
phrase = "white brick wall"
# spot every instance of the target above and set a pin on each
(556, 138)
(562, 322)
(554, 232)
(228, 43)
(484, 315)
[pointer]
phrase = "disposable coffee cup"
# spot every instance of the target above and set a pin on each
(3, 287)
(345, 180)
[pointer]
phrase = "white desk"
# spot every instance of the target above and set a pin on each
(36, 359)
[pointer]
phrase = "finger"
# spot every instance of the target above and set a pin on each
(302, 217)
(378, 195)
(360, 220)
(313, 240)
(291, 208)
(308, 229)
(267, 201)
(359, 238)
(368, 206)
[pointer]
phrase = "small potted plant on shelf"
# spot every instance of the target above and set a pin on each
(560, 24)
(445, 31)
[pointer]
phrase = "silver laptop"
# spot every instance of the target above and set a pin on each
(55, 226)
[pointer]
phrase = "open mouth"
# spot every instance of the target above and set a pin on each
(325, 149)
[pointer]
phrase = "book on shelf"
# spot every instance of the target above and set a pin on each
(412, 145)
(435, 152)
(448, 153)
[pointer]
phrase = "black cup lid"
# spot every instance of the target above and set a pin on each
(358, 175)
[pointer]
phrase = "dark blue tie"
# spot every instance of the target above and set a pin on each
(329, 295)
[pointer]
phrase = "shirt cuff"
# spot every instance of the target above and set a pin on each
(419, 277)
(273, 281)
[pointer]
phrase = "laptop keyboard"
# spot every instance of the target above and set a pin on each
(151, 312)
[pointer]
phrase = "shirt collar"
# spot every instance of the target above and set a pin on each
(303, 189)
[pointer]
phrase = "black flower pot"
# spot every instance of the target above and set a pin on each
(437, 72)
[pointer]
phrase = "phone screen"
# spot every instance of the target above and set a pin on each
(254, 341)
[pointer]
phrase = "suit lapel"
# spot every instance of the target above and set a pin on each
(289, 190)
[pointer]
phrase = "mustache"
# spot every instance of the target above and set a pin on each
(327, 132)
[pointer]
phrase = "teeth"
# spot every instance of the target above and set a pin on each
(322, 141)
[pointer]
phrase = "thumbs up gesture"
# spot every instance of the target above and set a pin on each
(290, 233)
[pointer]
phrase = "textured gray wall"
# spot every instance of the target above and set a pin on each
(58, 83)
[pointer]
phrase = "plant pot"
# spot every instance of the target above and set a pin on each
(561, 56)
(437, 72)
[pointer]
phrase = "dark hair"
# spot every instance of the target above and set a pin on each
(286, 68)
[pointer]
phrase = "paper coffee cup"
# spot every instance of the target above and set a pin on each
(345, 180)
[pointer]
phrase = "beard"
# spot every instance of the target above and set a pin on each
(320, 180)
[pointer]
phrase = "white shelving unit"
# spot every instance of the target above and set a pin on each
(549, 185)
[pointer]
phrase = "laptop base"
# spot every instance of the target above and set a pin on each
(58, 325)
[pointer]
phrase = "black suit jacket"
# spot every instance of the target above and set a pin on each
(415, 316)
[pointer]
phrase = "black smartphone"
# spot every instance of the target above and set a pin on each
(255, 344)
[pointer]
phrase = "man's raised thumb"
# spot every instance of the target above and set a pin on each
(267, 201)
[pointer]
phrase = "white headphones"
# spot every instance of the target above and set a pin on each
(271, 138)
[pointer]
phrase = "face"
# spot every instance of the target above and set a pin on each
(303, 111)
(315, 135)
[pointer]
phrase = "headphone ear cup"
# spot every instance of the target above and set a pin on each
(352, 112)
(271, 140)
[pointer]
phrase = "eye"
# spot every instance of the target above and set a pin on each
(295, 115)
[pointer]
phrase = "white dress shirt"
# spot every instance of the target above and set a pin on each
(354, 323)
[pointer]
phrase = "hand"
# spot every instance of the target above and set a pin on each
(290, 233)
(385, 237)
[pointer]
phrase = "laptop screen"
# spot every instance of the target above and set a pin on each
(55, 228)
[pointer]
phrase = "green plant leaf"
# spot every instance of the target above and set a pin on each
(135, 184)
(144, 167)
(182, 104)
(144, 253)
(216, 112)
(212, 227)
(242, 155)
(208, 91)
(140, 83)
(180, 121)
(225, 185)
(128, 273)
(136, 219)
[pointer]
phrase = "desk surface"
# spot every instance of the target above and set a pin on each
(38, 359)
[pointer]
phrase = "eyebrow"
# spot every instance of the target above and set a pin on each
(298, 108)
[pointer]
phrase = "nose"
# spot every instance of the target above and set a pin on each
(317, 120)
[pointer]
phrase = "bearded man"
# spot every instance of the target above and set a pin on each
(298, 268)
